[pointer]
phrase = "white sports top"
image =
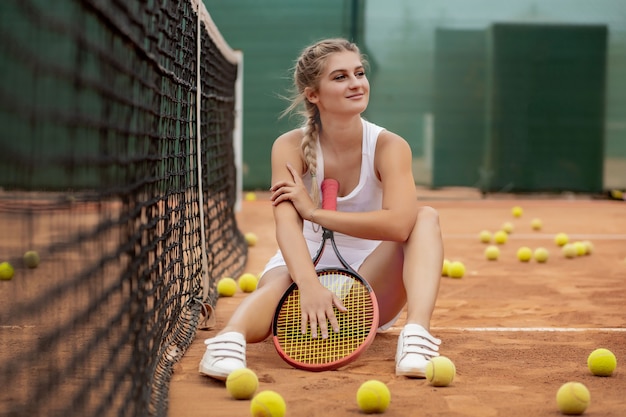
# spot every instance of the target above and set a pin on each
(366, 196)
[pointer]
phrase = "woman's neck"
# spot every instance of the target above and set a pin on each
(341, 133)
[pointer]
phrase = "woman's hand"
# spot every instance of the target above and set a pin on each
(294, 191)
(316, 303)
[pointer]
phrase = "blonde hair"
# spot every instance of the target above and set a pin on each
(307, 72)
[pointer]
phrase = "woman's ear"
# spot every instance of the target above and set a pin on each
(311, 95)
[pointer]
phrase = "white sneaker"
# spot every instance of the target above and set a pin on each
(224, 354)
(416, 347)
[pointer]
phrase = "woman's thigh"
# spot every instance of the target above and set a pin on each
(383, 270)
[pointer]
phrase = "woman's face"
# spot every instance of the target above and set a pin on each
(343, 88)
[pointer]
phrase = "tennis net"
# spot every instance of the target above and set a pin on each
(118, 169)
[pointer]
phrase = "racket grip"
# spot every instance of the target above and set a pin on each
(330, 188)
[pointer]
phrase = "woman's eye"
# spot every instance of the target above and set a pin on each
(340, 77)
(360, 74)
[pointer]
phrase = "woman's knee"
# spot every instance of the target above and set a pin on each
(276, 278)
(427, 214)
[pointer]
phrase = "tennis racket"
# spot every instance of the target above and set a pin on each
(357, 326)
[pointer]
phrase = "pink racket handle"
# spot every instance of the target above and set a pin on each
(330, 188)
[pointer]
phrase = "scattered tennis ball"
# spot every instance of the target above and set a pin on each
(573, 398)
(492, 253)
(581, 248)
(569, 250)
(517, 211)
(445, 267)
(226, 287)
(6, 271)
(485, 236)
(524, 254)
(508, 227)
(268, 404)
(561, 239)
(440, 371)
(248, 282)
(250, 196)
(456, 269)
(31, 259)
(242, 383)
(373, 397)
(541, 255)
(588, 247)
(251, 239)
(602, 362)
(536, 224)
(500, 237)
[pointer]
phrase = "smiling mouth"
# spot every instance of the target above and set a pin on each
(356, 95)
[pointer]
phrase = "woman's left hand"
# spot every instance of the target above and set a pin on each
(293, 191)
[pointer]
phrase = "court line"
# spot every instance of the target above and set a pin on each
(543, 236)
(535, 329)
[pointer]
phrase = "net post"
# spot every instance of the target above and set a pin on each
(238, 129)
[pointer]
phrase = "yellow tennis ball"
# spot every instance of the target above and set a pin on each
(373, 397)
(588, 247)
(507, 227)
(573, 398)
(492, 252)
(500, 237)
(561, 239)
(251, 238)
(226, 287)
(31, 259)
(485, 236)
(536, 224)
(541, 255)
(6, 271)
(581, 249)
(602, 362)
(456, 269)
(248, 282)
(517, 211)
(250, 196)
(524, 254)
(242, 383)
(569, 250)
(445, 267)
(440, 371)
(268, 404)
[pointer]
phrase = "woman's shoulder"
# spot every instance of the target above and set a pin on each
(291, 137)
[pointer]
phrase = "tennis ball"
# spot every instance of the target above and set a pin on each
(268, 404)
(440, 371)
(602, 362)
(581, 249)
(573, 398)
(561, 239)
(226, 287)
(492, 253)
(517, 211)
(456, 269)
(508, 227)
(373, 397)
(248, 282)
(250, 196)
(485, 236)
(536, 224)
(31, 259)
(541, 255)
(445, 267)
(251, 238)
(524, 254)
(242, 383)
(588, 247)
(500, 237)
(569, 250)
(6, 271)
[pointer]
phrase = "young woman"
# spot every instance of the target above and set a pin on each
(379, 227)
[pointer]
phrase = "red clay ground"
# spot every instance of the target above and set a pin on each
(515, 331)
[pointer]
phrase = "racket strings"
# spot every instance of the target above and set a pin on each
(355, 325)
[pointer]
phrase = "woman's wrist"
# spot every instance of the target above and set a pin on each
(312, 214)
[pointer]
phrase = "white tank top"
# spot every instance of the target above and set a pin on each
(366, 196)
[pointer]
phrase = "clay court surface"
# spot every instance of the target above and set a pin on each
(515, 331)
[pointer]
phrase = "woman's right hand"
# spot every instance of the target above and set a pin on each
(316, 303)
